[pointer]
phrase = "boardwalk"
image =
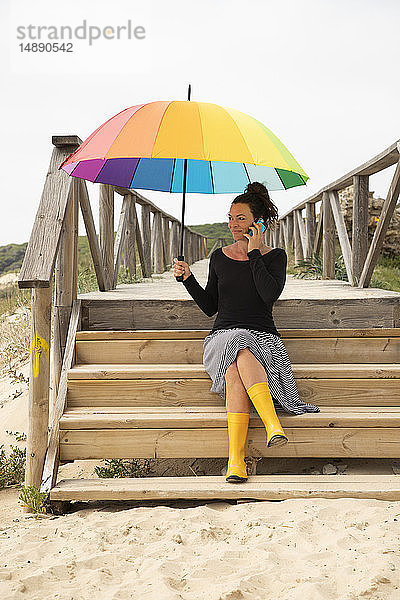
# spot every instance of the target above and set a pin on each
(165, 287)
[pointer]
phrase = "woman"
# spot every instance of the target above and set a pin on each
(243, 353)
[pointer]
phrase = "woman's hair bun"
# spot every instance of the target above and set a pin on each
(256, 188)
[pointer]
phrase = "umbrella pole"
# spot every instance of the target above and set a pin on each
(181, 256)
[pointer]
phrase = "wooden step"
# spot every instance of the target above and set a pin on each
(111, 311)
(172, 371)
(261, 487)
(213, 416)
(187, 347)
(212, 442)
(189, 392)
(194, 334)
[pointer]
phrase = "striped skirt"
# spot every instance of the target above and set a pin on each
(220, 349)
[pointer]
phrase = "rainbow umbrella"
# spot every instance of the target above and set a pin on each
(184, 146)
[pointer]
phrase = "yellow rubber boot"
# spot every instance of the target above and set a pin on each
(238, 424)
(260, 396)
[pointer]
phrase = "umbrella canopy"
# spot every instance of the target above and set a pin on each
(145, 146)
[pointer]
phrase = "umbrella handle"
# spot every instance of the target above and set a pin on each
(180, 277)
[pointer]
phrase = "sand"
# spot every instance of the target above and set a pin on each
(315, 549)
(309, 549)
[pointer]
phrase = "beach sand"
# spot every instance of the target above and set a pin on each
(311, 549)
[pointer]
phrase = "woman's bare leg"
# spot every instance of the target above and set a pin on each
(237, 399)
(250, 369)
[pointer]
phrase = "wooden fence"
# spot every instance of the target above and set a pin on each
(306, 235)
(53, 251)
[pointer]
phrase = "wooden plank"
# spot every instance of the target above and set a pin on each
(91, 235)
(299, 350)
(66, 140)
(130, 239)
(298, 246)
(204, 417)
(351, 313)
(120, 237)
(261, 487)
(146, 233)
(328, 240)
(349, 442)
(342, 233)
(196, 392)
(106, 228)
(381, 229)
(173, 371)
(40, 256)
(360, 224)
(200, 334)
(39, 379)
(310, 229)
(302, 232)
(51, 462)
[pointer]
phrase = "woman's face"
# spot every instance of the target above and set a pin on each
(240, 218)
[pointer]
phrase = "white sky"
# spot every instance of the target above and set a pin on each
(321, 74)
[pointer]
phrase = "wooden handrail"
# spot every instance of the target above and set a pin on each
(387, 158)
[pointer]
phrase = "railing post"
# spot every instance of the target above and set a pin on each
(130, 238)
(360, 224)
(65, 292)
(310, 228)
(146, 233)
(166, 239)
(158, 243)
(106, 229)
(298, 246)
(328, 239)
(38, 417)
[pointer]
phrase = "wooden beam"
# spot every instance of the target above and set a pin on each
(39, 381)
(360, 224)
(40, 256)
(130, 246)
(310, 228)
(328, 240)
(51, 462)
(106, 218)
(91, 235)
(61, 141)
(342, 233)
(380, 231)
(302, 232)
(120, 237)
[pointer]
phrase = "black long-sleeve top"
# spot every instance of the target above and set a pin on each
(243, 292)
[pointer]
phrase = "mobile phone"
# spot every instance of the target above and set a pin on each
(263, 226)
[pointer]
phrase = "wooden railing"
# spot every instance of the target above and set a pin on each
(306, 235)
(53, 250)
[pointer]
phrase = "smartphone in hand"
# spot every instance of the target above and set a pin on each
(263, 226)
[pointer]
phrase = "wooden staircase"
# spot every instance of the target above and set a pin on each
(145, 394)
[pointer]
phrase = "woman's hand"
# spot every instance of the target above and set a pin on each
(255, 240)
(181, 268)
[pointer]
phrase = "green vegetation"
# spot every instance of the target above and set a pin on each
(11, 257)
(117, 467)
(34, 499)
(12, 467)
(386, 274)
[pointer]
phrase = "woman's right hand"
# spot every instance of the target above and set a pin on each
(181, 268)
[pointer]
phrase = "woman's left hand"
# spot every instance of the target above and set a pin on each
(255, 240)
